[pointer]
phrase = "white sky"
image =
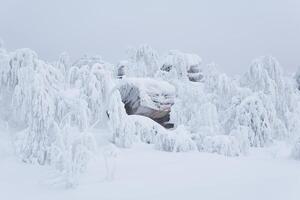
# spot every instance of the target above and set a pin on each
(229, 32)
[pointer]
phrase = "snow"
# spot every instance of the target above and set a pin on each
(144, 173)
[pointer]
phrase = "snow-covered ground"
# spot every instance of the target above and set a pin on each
(145, 174)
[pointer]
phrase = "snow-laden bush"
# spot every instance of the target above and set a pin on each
(73, 145)
(295, 154)
(220, 144)
(146, 129)
(206, 121)
(71, 153)
(189, 98)
(241, 134)
(235, 144)
(110, 153)
(252, 114)
(178, 140)
(228, 115)
(194, 109)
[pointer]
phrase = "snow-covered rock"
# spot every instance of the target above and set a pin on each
(147, 97)
(181, 65)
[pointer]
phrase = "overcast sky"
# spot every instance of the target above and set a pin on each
(228, 32)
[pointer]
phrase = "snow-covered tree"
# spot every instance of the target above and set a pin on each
(143, 61)
(33, 105)
(94, 84)
(110, 153)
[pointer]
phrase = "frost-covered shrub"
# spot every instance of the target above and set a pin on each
(195, 108)
(178, 140)
(220, 144)
(228, 115)
(206, 121)
(71, 153)
(296, 150)
(241, 134)
(252, 114)
(146, 129)
(110, 153)
(189, 97)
